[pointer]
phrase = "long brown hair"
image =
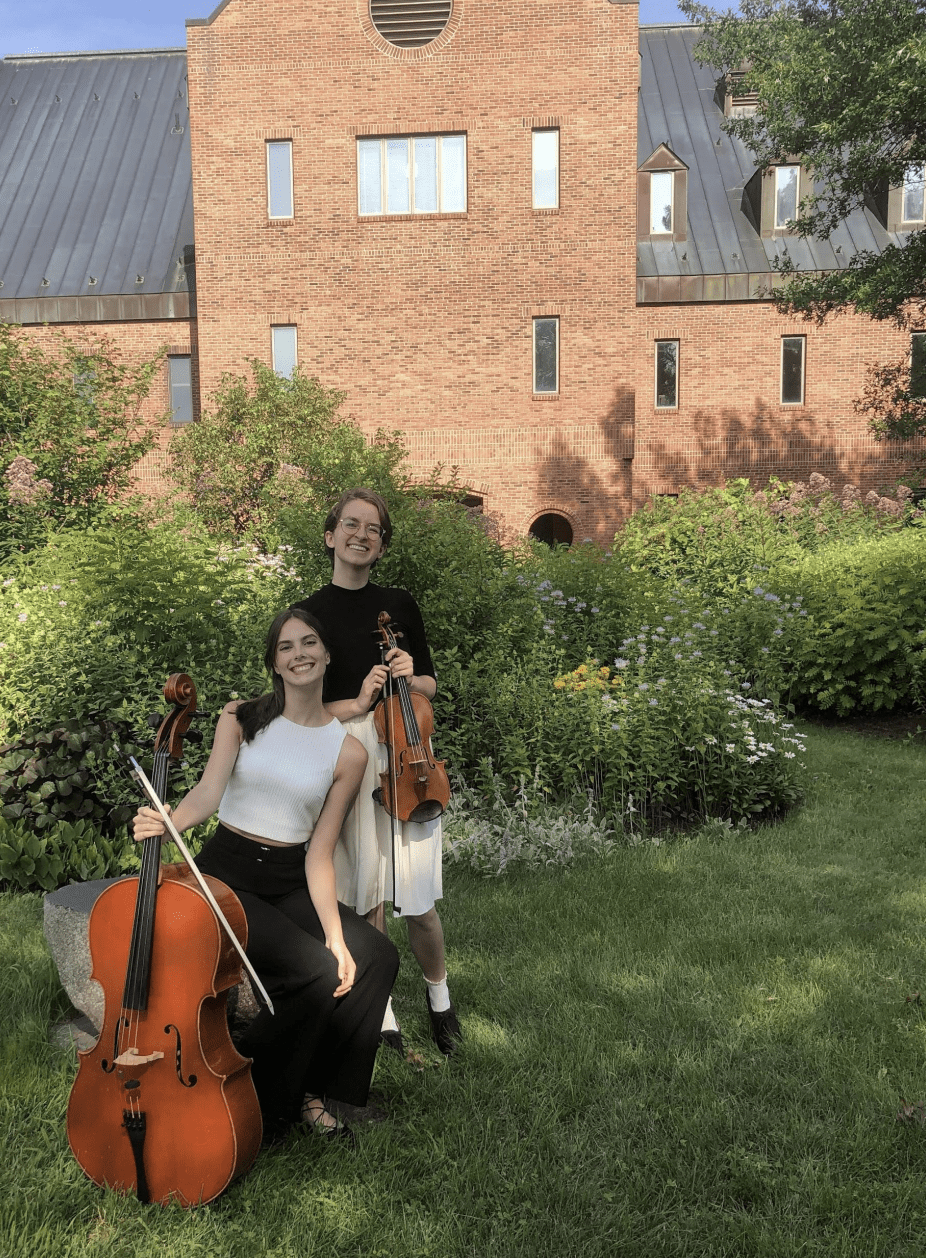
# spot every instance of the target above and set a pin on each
(256, 714)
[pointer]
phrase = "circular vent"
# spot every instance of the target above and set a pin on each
(410, 23)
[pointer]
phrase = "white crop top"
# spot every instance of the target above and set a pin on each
(281, 779)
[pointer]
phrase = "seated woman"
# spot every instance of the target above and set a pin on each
(283, 775)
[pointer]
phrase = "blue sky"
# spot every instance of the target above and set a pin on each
(79, 25)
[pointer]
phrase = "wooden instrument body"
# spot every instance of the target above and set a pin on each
(415, 787)
(182, 1071)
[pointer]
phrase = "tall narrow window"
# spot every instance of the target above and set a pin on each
(546, 355)
(666, 374)
(179, 379)
(914, 194)
(661, 188)
(284, 349)
(545, 161)
(421, 174)
(918, 364)
(793, 349)
(786, 182)
(280, 179)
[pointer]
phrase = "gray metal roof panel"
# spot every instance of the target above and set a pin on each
(677, 107)
(95, 174)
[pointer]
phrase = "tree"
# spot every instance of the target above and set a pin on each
(70, 431)
(842, 84)
(268, 444)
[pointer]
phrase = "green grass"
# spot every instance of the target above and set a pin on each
(690, 1049)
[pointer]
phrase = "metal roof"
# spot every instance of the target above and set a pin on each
(96, 186)
(677, 107)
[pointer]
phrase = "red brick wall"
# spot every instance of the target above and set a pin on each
(426, 321)
(730, 421)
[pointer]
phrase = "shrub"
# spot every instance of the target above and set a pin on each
(724, 538)
(867, 606)
(64, 852)
(70, 432)
(268, 446)
(47, 777)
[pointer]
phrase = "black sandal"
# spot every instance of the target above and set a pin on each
(313, 1118)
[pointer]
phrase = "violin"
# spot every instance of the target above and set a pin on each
(163, 1105)
(415, 786)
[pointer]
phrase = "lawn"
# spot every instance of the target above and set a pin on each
(694, 1048)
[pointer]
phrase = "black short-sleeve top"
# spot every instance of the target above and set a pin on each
(350, 619)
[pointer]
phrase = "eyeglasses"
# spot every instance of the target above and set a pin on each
(350, 525)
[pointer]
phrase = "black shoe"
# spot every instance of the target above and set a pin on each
(393, 1039)
(445, 1029)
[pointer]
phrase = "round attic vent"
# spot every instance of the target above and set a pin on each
(410, 23)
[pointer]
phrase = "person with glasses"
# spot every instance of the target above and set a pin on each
(357, 531)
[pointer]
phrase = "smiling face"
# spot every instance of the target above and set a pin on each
(301, 656)
(355, 539)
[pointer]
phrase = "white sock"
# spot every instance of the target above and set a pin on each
(389, 1022)
(439, 995)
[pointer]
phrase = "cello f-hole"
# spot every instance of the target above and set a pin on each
(178, 1057)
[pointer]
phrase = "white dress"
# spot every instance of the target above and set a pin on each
(363, 863)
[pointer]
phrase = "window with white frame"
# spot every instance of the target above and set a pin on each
(283, 341)
(914, 194)
(661, 199)
(280, 179)
(180, 384)
(787, 179)
(546, 355)
(412, 174)
(793, 358)
(545, 168)
(918, 364)
(666, 375)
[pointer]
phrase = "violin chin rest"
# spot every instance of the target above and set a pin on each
(430, 810)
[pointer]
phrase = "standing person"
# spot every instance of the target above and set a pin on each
(283, 774)
(357, 532)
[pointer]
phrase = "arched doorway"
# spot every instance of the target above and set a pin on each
(552, 528)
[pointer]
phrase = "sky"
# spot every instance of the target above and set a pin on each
(81, 25)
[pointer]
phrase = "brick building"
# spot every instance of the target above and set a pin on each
(513, 230)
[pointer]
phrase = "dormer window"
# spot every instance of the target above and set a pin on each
(914, 194)
(662, 197)
(732, 99)
(787, 179)
(772, 198)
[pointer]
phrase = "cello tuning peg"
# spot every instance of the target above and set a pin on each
(194, 736)
(154, 720)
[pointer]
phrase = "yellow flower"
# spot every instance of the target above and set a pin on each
(559, 684)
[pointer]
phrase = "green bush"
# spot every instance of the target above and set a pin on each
(725, 538)
(63, 852)
(866, 607)
(70, 432)
(47, 777)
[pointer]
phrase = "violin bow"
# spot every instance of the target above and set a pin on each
(203, 885)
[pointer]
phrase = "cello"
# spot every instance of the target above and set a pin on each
(163, 1105)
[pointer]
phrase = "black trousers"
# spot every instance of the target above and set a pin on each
(312, 1043)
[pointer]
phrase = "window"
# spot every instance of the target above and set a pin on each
(662, 197)
(410, 23)
(918, 364)
(660, 202)
(914, 200)
(180, 384)
(546, 355)
(792, 370)
(545, 163)
(666, 374)
(422, 174)
(786, 185)
(280, 179)
(284, 349)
